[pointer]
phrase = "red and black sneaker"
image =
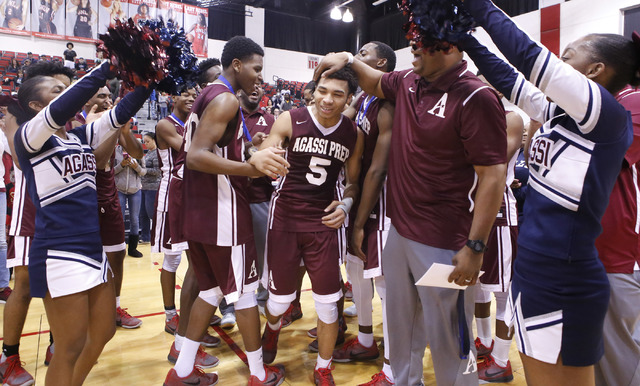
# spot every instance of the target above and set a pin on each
(274, 376)
(489, 371)
(13, 374)
(379, 379)
(353, 350)
(293, 313)
(323, 377)
(482, 350)
(197, 377)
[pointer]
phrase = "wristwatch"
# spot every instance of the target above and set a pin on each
(477, 246)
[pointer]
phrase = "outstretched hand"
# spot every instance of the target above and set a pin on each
(270, 162)
(329, 64)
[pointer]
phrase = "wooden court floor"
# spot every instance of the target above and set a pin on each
(139, 356)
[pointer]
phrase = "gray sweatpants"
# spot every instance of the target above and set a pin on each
(260, 215)
(620, 365)
(419, 315)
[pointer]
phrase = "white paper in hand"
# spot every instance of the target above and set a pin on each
(437, 275)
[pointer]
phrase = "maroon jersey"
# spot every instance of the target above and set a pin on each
(316, 155)
(216, 207)
(166, 158)
(367, 120)
(260, 189)
(23, 213)
(618, 244)
(440, 131)
(105, 179)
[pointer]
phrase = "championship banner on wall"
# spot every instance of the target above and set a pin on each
(170, 10)
(48, 19)
(14, 18)
(195, 27)
(142, 10)
(110, 11)
(82, 20)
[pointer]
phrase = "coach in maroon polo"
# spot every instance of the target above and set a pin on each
(447, 168)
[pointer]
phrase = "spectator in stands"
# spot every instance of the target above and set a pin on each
(81, 65)
(26, 63)
(127, 174)
(163, 103)
(288, 103)
(276, 112)
(277, 99)
(69, 56)
(17, 81)
(269, 107)
(14, 66)
(99, 59)
(29, 58)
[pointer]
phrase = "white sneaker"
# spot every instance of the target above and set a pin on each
(228, 320)
(351, 311)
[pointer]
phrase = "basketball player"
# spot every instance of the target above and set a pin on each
(560, 291)
(449, 141)
(618, 251)
(110, 214)
(304, 217)
(21, 232)
(217, 217)
(370, 226)
(169, 133)
(85, 17)
(210, 69)
(199, 30)
(493, 355)
(14, 14)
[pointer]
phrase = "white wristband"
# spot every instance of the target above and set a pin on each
(350, 60)
(346, 205)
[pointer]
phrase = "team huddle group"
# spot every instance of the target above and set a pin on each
(415, 169)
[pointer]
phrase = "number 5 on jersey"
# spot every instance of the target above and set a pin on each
(318, 173)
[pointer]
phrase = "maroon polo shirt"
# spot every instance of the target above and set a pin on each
(440, 131)
(618, 244)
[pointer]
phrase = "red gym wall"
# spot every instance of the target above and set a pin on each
(550, 28)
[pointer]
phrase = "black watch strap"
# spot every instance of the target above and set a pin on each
(477, 246)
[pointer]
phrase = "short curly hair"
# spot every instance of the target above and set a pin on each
(43, 68)
(241, 48)
(203, 67)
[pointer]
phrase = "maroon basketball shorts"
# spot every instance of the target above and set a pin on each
(18, 251)
(111, 225)
(497, 263)
(320, 252)
(176, 220)
(231, 270)
(162, 236)
(372, 246)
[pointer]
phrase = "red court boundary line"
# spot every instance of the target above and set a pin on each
(232, 344)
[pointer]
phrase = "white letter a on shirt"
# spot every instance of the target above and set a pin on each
(438, 109)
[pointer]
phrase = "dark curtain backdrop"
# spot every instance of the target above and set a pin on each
(305, 35)
(226, 22)
(388, 29)
(517, 7)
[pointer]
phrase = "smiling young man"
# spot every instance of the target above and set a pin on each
(305, 217)
(217, 217)
(447, 165)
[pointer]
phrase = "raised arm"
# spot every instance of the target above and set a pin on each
(54, 116)
(368, 78)
(578, 96)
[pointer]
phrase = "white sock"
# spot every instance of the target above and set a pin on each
(178, 342)
(365, 339)
(53, 347)
(386, 369)
(256, 367)
(187, 358)
(323, 363)
(3, 358)
(501, 351)
(169, 314)
(117, 301)
(484, 330)
(276, 326)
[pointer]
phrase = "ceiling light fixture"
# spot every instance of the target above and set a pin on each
(347, 17)
(336, 14)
